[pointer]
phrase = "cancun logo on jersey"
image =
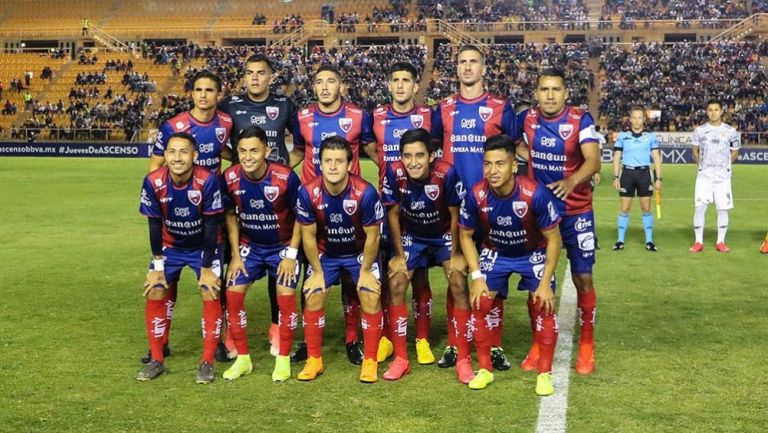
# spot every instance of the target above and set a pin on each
(270, 192)
(350, 207)
(195, 197)
(520, 208)
(485, 113)
(565, 130)
(221, 134)
(345, 123)
(432, 191)
(417, 120)
(273, 112)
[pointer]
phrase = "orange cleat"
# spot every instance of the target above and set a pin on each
(464, 370)
(530, 361)
(312, 369)
(696, 248)
(722, 247)
(585, 364)
(764, 247)
(369, 371)
(397, 369)
(274, 339)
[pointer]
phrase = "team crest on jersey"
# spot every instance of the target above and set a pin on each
(270, 192)
(417, 120)
(158, 183)
(273, 112)
(345, 123)
(232, 175)
(432, 191)
(565, 130)
(221, 134)
(485, 113)
(350, 207)
(195, 197)
(520, 208)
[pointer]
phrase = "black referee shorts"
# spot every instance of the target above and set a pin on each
(635, 182)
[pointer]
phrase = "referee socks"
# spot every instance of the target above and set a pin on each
(623, 224)
(648, 226)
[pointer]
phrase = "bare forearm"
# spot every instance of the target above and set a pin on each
(393, 216)
(469, 249)
(455, 241)
(371, 249)
(554, 246)
(310, 247)
(233, 233)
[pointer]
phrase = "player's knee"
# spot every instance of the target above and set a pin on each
(240, 288)
(156, 294)
(285, 290)
(397, 288)
(207, 294)
(583, 282)
(315, 302)
(369, 302)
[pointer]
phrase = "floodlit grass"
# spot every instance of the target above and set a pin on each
(681, 339)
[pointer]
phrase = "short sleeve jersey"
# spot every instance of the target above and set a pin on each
(181, 208)
(340, 219)
(389, 126)
(211, 137)
(715, 145)
(636, 148)
(264, 207)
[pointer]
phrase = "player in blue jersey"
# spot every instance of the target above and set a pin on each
(423, 197)
(183, 205)
(560, 144)
(517, 224)
(462, 122)
(633, 152)
(340, 216)
(261, 196)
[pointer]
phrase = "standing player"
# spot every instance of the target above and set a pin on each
(340, 216)
(423, 197)
(715, 147)
(517, 223)
(211, 130)
(274, 114)
(632, 155)
(462, 123)
(183, 205)
(390, 122)
(563, 154)
(332, 116)
(261, 222)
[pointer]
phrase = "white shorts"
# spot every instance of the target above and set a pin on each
(713, 191)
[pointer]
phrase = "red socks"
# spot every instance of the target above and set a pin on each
(314, 324)
(483, 335)
(237, 321)
(398, 326)
(449, 308)
(288, 319)
(496, 320)
(587, 307)
(463, 332)
(157, 327)
(545, 335)
(170, 306)
(212, 319)
(351, 304)
(373, 325)
(422, 310)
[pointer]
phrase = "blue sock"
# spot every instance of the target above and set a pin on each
(648, 226)
(623, 223)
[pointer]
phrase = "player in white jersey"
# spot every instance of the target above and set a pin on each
(715, 147)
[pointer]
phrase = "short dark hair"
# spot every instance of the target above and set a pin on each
(714, 101)
(209, 75)
(330, 68)
(257, 58)
(406, 67)
(418, 135)
(184, 136)
(253, 132)
(551, 72)
(336, 143)
(470, 47)
(637, 108)
(501, 141)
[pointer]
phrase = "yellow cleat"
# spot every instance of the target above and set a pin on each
(369, 371)
(482, 379)
(282, 371)
(544, 385)
(386, 348)
(424, 355)
(312, 369)
(241, 367)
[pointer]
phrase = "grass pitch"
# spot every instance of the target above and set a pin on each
(681, 339)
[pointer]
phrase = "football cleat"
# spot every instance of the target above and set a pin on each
(369, 371)
(481, 380)
(274, 339)
(722, 247)
(397, 369)
(449, 357)
(242, 366)
(530, 361)
(222, 353)
(312, 369)
(385, 349)
(650, 246)
(355, 352)
(764, 247)
(499, 359)
(618, 246)
(464, 370)
(696, 248)
(282, 371)
(148, 357)
(205, 373)
(150, 371)
(301, 352)
(585, 364)
(544, 386)
(424, 355)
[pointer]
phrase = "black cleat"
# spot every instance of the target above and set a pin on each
(618, 246)
(650, 246)
(205, 374)
(449, 357)
(222, 354)
(301, 353)
(355, 352)
(150, 370)
(499, 359)
(148, 356)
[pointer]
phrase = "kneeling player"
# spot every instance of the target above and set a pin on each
(517, 225)
(423, 198)
(340, 216)
(262, 223)
(183, 204)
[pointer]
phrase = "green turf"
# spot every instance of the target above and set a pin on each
(681, 338)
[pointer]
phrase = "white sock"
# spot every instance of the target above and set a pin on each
(722, 225)
(698, 223)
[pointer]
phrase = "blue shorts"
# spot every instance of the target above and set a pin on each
(578, 232)
(176, 258)
(425, 253)
(334, 265)
(498, 269)
(260, 261)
